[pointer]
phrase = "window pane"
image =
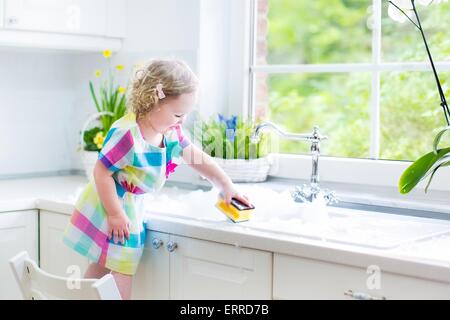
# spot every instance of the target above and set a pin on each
(319, 31)
(337, 103)
(403, 41)
(410, 114)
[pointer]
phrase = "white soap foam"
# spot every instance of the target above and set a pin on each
(276, 211)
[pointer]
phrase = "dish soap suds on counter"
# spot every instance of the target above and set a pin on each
(277, 212)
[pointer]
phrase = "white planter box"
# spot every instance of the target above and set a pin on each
(89, 159)
(241, 170)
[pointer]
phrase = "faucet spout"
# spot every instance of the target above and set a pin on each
(305, 193)
(311, 137)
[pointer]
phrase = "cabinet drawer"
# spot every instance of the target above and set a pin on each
(201, 269)
(301, 278)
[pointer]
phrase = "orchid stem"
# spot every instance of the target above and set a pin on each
(418, 27)
(438, 83)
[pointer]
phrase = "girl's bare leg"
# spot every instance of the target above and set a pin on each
(124, 283)
(95, 271)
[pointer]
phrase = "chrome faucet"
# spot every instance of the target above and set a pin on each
(304, 193)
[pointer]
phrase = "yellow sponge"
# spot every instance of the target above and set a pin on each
(236, 211)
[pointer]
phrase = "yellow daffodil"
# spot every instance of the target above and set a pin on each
(99, 139)
(122, 90)
(107, 53)
(119, 67)
(98, 73)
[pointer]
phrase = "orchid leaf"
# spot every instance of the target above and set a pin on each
(438, 137)
(444, 164)
(419, 169)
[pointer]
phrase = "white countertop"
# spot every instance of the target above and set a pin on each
(428, 259)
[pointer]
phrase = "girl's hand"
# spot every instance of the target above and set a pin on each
(118, 227)
(229, 191)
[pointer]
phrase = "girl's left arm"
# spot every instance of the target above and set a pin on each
(207, 167)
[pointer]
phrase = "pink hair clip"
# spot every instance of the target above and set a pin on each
(161, 94)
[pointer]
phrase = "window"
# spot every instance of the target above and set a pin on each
(345, 66)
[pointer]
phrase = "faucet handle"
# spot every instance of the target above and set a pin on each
(316, 134)
(330, 196)
(305, 193)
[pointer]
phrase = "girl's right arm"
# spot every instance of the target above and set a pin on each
(118, 223)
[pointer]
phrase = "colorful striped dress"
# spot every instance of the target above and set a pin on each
(138, 168)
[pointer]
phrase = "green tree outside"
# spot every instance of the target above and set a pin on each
(336, 31)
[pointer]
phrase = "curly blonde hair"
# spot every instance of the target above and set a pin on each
(174, 76)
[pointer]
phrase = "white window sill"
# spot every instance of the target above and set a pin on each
(434, 204)
(385, 197)
(382, 173)
(372, 182)
(358, 181)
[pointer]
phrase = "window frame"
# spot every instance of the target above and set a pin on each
(372, 171)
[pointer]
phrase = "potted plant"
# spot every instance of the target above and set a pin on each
(110, 103)
(428, 164)
(227, 141)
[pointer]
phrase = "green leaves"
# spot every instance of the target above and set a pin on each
(110, 98)
(88, 138)
(221, 141)
(94, 97)
(438, 137)
(421, 168)
(427, 165)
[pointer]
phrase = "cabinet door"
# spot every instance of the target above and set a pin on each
(65, 16)
(18, 232)
(152, 278)
(202, 269)
(55, 256)
(301, 278)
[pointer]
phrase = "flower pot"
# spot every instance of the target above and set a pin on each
(89, 158)
(241, 170)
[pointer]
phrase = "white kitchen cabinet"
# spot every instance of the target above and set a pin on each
(202, 269)
(63, 24)
(18, 232)
(301, 278)
(152, 278)
(63, 16)
(56, 257)
(187, 268)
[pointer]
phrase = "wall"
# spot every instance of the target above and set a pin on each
(45, 97)
(213, 56)
(39, 110)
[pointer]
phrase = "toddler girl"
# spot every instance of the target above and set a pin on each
(139, 153)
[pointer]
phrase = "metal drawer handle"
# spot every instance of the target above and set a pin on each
(156, 243)
(171, 246)
(362, 295)
(12, 20)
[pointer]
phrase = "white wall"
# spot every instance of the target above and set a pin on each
(45, 96)
(39, 111)
(213, 56)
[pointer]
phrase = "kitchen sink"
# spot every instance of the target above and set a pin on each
(276, 212)
(371, 229)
